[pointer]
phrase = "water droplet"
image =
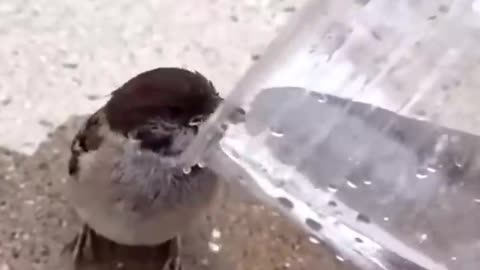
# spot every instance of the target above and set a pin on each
(358, 240)
(187, 170)
(423, 237)
(351, 184)
(276, 134)
(314, 225)
(476, 200)
(340, 258)
(214, 247)
(332, 203)
(216, 233)
(238, 115)
(421, 174)
(313, 240)
(223, 127)
(362, 2)
(285, 202)
(363, 218)
(431, 169)
(332, 188)
(386, 218)
(368, 183)
(459, 162)
(453, 258)
(201, 164)
(287, 265)
(421, 116)
(322, 98)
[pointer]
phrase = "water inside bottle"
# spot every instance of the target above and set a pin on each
(366, 181)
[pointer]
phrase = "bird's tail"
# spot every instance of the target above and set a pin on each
(91, 251)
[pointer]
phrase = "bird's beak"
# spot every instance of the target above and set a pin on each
(197, 120)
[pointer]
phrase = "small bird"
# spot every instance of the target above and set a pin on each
(126, 183)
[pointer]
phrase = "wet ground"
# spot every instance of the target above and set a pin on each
(240, 234)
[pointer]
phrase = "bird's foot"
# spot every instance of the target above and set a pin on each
(76, 247)
(174, 262)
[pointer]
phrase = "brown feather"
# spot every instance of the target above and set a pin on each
(87, 139)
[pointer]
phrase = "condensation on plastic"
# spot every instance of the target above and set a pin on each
(362, 114)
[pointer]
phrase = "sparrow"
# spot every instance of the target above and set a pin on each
(126, 184)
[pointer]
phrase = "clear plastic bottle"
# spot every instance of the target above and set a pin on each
(363, 114)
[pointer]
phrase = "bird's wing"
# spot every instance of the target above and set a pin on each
(90, 250)
(88, 138)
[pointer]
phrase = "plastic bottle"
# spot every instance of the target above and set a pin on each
(362, 114)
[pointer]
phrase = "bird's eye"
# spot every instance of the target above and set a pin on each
(174, 110)
(197, 120)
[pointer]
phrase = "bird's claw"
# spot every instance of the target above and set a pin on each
(174, 262)
(76, 247)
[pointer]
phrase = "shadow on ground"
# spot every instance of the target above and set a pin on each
(36, 221)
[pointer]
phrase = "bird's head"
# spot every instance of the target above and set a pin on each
(162, 108)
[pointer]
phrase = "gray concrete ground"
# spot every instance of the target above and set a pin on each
(59, 58)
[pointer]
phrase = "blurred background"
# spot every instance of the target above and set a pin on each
(60, 58)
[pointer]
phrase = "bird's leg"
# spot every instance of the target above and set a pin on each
(77, 245)
(173, 262)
